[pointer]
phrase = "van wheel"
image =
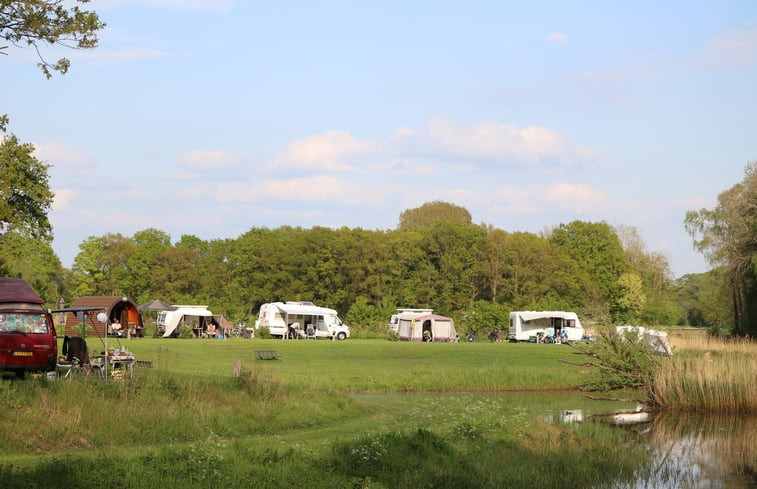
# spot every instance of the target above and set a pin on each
(341, 336)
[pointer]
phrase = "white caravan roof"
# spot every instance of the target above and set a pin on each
(303, 309)
(531, 315)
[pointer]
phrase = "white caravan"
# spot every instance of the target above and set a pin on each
(531, 325)
(278, 317)
(658, 340)
(394, 320)
(198, 317)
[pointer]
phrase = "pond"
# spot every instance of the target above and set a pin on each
(696, 451)
(684, 450)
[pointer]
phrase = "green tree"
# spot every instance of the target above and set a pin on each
(175, 274)
(36, 262)
(25, 195)
(431, 212)
(101, 267)
(148, 245)
(631, 299)
(727, 235)
(36, 22)
(598, 251)
(491, 259)
(704, 299)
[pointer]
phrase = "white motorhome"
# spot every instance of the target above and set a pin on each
(278, 317)
(394, 320)
(532, 325)
(198, 317)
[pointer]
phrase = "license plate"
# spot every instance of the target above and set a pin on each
(23, 354)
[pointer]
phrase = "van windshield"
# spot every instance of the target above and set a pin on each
(23, 322)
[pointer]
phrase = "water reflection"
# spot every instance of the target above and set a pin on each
(696, 451)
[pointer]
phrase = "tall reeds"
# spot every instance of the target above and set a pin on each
(709, 374)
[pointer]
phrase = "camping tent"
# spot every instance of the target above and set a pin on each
(428, 327)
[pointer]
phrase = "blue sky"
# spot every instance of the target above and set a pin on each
(211, 117)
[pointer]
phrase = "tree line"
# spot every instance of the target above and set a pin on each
(436, 258)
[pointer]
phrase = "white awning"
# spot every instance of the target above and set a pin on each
(531, 315)
(304, 310)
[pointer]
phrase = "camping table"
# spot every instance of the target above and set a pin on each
(121, 362)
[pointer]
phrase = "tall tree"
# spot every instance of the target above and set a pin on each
(431, 212)
(597, 250)
(36, 262)
(491, 260)
(727, 235)
(31, 23)
(25, 195)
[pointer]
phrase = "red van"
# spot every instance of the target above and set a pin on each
(27, 333)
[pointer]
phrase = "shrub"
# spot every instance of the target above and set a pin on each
(264, 332)
(82, 329)
(185, 331)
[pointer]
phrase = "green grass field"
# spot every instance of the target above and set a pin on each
(356, 413)
(370, 365)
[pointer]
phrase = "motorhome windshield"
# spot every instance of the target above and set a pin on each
(23, 322)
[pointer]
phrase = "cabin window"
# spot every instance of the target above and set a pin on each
(23, 322)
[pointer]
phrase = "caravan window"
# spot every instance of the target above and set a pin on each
(570, 323)
(23, 322)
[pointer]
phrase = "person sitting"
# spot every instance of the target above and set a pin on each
(310, 331)
(116, 327)
(211, 331)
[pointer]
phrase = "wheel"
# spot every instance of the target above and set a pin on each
(341, 336)
(470, 337)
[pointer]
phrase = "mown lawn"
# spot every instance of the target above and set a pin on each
(369, 365)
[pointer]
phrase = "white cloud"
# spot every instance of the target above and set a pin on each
(318, 188)
(557, 37)
(578, 199)
(62, 199)
(74, 161)
(731, 49)
(531, 146)
(560, 197)
(208, 159)
(440, 142)
(330, 151)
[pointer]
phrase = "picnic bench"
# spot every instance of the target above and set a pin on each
(266, 355)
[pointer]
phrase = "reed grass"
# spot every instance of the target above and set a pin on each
(709, 374)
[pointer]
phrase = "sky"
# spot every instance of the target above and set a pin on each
(209, 118)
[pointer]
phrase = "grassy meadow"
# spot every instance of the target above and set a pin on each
(355, 413)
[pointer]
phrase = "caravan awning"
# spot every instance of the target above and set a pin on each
(303, 309)
(531, 315)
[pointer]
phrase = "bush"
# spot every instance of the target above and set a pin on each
(264, 332)
(185, 331)
(82, 330)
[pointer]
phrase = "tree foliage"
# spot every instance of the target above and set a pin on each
(31, 23)
(25, 195)
(432, 212)
(598, 251)
(727, 235)
(619, 361)
(476, 274)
